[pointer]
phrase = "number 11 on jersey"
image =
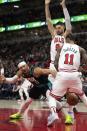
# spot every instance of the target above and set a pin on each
(69, 59)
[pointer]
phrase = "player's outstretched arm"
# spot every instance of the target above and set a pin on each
(67, 18)
(11, 80)
(14, 78)
(44, 71)
(49, 71)
(48, 19)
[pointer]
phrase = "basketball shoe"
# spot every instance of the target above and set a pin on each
(52, 119)
(16, 116)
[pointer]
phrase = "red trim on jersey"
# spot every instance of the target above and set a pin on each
(56, 97)
(67, 70)
(79, 94)
(59, 97)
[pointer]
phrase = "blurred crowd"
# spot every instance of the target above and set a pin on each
(35, 54)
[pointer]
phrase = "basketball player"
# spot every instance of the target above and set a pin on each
(58, 34)
(67, 63)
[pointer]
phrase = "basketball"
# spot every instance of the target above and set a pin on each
(37, 72)
(72, 99)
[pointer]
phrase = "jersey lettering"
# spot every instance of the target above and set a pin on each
(59, 39)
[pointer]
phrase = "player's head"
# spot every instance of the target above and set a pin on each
(70, 37)
(59, 27)
(23, 66)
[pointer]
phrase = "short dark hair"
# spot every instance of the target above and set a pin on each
(60, 23)
(71, 36)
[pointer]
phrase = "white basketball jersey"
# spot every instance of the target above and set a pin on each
(57, 42)
(69, 59)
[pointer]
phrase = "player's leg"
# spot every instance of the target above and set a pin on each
(59, 105)
(21, 93)
(34, 94)
(84, 99)
(70, 107)
(57, 90)
(25, 104)
(52, 106)
(75, 107)
(45, 91)
(22, 109)
(26, 92)
(75, 86)
(70, 111)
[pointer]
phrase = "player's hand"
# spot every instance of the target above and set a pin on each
(62, 3)
(53, 72)
(2, 79)
(47, 1)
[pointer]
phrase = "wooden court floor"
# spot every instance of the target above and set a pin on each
(35, 119)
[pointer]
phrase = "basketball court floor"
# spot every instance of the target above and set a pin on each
(35, 119)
